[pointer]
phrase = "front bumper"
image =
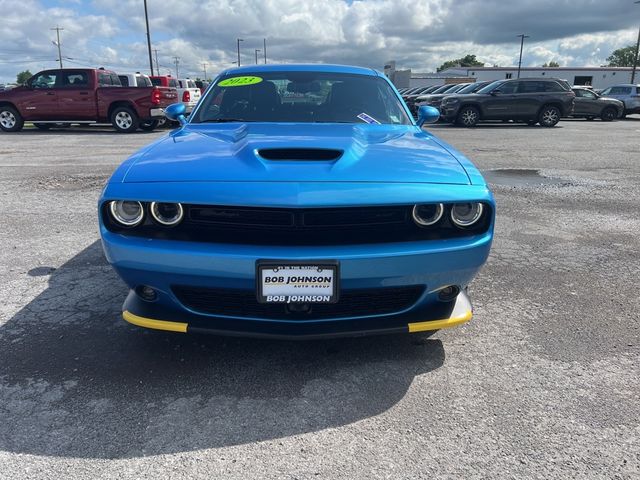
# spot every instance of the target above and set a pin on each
(149, 315)
(448, 112)
(167, 264)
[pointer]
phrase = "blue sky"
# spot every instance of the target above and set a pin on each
(418, 34)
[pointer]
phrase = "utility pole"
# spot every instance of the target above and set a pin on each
(257, 51)
(155, 50)
(204, 67)
(146, 19)
(176, 60)
(57, 29)
(264, 50)
(238, 41)
(522, 37)
(635, 55)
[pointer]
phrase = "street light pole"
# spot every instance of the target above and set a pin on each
(522, 37)
(264, 41)
(176, 60)
(635, 55)
(238, 41)
(257, 51)
(204, 67)
(146, 19)
(57, 29)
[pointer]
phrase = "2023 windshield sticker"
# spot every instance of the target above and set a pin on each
(240, 81)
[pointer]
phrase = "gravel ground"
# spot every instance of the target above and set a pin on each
(543, 383)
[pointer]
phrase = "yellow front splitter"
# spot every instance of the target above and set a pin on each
(462, 313)
(155, 324)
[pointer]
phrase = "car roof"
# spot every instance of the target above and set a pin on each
(302, 67)
(537, 79)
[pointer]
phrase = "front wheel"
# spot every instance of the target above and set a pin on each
(149, 126)
(609, 114)
(468, 117)
(10, 119)
(124, 120)
(549, 116)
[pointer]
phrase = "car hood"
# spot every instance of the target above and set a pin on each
(438, 96)
(610, 100)
(237, 152)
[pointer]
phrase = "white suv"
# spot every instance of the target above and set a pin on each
(628, 93)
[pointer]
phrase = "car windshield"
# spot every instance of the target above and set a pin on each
(491, 86)
(301, 96)
(442, 89)
(458, 88)
(469, 88)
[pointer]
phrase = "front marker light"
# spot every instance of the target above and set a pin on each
(168, 214)
(466, 214)
(427, 214)
(126, 212)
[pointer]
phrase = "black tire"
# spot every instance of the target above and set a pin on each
(149, 126)
(549, 116)
(42, 126)
(468, 117)
(608, 114)
(10, 119)
(124, 120)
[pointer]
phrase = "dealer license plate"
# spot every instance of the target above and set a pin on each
(297, 283)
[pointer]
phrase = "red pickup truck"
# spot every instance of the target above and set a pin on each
(83, 95)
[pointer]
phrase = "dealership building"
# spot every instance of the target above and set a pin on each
(598, 77)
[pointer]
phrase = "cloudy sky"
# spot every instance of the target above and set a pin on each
(418, 34)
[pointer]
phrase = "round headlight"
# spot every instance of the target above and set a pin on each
(167, 213)
(466, 214)
(427, 214)
(126, 212)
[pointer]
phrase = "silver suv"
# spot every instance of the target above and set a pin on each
(627, 93)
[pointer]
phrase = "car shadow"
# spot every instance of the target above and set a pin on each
(77, 381)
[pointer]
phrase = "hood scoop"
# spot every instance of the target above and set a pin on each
(300, 154)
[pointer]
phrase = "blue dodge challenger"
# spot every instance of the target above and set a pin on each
(297, 201)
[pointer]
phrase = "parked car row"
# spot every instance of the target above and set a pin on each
(530, 100)
(61, 97)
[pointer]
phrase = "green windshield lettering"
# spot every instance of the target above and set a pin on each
(239, 81)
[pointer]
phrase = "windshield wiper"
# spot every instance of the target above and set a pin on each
(224, 120)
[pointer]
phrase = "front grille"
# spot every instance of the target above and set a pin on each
(352, 303)
(299, 226)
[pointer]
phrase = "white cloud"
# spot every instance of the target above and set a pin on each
(420, 34)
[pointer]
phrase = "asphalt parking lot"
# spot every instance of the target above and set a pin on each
(543, 383)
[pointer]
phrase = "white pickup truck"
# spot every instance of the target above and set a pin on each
(188, 93)
(134, 80)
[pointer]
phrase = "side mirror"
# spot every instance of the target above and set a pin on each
(175, 112)
(427, 114)
(496, 92)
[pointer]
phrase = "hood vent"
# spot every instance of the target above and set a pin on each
(300, 154)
